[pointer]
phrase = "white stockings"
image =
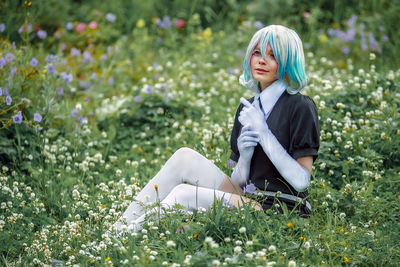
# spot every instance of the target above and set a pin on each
(185, 165)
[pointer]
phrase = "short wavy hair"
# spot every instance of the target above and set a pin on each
(288, 51)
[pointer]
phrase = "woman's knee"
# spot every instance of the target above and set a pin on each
(181, 193)
(184, 153)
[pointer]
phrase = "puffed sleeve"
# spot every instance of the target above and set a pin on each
(235, 135)
(304, 129)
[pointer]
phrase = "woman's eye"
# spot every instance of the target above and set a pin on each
(256, 52)
(272, 55)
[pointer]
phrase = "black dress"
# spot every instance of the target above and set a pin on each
(294, 122)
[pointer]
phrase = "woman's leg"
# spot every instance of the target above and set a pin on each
(192, 197)
(185, 165)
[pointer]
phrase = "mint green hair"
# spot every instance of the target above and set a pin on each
(288, 51)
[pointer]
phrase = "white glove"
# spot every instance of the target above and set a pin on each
(247, 140)
(295, 174)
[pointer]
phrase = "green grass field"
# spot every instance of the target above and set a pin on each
(88, 115)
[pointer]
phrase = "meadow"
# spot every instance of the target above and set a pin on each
(89, 113)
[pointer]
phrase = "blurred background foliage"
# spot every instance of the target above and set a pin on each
(323, 24)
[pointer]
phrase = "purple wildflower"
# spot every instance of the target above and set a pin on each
(37, 117)
(82, 120)
(90, 114)
(372, 42)
(179, 231)
(26, 100)
(381, 28)
(331, 31)
(9, 57)
(186, 227)
(2, 27)
(60, 91)
(3, 61)
(87, 57)
(111, 17)
(13, 71)
(250, 188)
(307, 45)
(75, 52)
(8, 100)
(63, 46)
(29, 27)
(104, 57)
(21, 29)
(137, 99)
(345, 50)
(18, 118)
(258, 24)
(5, 91)
(227, 204)
(34, 62)
(352, 21)
(385, 38)
(231, 71)
(14, 46)
(159, 39)
(69, 26)
(230, 163)
(167, 21)
(1, 91)
(109, 49)
(149, 89)
(248, 23)
(74, 113)
(84, 85)
(51, 69)
(67, 77)
(42, 34)
(110, 81)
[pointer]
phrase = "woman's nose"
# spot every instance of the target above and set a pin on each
(261, 60)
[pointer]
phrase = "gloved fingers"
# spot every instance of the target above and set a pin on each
(245, 102)
(249, 144)
(248, 139)
(246, 127)
(253, 134)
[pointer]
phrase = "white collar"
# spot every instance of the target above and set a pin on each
(270, 95)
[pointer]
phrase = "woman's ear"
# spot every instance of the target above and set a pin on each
(286, 78)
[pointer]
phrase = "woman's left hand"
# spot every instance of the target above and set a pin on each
(250, 115)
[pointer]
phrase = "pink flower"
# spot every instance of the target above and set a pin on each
(93, 25)
(306, 14)
(80, 27)
(180, 23)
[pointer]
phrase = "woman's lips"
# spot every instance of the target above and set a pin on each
(261, 70)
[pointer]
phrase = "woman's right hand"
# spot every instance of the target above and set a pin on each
(247, 140)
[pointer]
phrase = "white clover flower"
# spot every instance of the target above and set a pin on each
(215, 263)
(249, 256)
(292, 263)
(237, 249)
(272, 249)
(242, 229)
(171, 243)
(208, 239)
(307, 245)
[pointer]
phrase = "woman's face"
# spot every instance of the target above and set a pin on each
(264, 70)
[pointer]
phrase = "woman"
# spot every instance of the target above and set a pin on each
(275, 139)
